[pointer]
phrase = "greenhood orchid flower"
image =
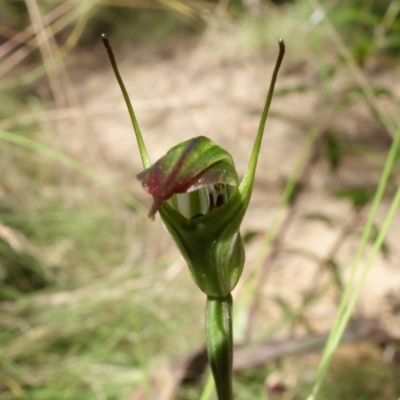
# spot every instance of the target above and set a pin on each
(202, 214)
(196, 192)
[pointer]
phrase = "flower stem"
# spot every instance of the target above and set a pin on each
(219, 343)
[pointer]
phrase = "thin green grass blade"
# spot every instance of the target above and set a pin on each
(144, 367)
(180, 7)
(79, 15)
(76, 165)
(352, 293)
(370, 222)
(332, 345)
(208, 388)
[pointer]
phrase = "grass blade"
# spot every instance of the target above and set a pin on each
(74, 164)
(352, 293)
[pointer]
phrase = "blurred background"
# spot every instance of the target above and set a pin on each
(95, 301)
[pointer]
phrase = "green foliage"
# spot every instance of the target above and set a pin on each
(359, 197)
(13, 14)
(370, 27)
(362, 376)
(333, 151)
(21, 272)
(142, 25)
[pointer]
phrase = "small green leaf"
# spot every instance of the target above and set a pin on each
(337, 276)
(385, 249)
(333, 151)
(358, 196)
(296, 189)
(288, 311)
(319, 217)
(249, 236)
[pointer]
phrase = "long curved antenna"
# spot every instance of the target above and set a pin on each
(142, 147)
(247, 182)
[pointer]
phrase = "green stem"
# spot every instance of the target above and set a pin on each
(219, 343)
